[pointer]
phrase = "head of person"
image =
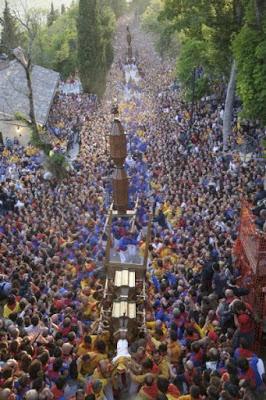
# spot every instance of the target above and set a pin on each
(5, 394)
(11, 300)
(60, 383)
(162, 349)
(194, 392)
(243, 364)
(100, 346)
(213, 392)
(147, 364)
(149, 380)
(87, 341)
(31, 395)
(173, 336)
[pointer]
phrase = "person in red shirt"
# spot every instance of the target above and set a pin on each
(149, 366)
(167, 388)
(58, 388)
(149, 390)
(246, 372)
(243, 350)
(244, 324)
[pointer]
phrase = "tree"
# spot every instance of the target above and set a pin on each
(216, 24)
(108, 24)
(10, 33)
(55, 46)
(63, 9)
(91, 48)
(57, 164)
(193, 55)
(249, 48)
(52, 16)
(118, 7)
(166, 39)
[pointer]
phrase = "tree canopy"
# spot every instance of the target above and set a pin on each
(118, 7)
(10, 35)
(167, 42)
(249, 48)
(52, 16)
(95, 54)
(216, 34)
(55, 46)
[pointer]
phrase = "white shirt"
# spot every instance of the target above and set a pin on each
(121, 349)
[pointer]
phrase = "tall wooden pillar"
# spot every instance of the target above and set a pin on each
(118, 150)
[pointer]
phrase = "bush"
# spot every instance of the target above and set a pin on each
(57, 164)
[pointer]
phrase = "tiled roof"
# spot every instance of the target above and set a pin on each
(13, 90)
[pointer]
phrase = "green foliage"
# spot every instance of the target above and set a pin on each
(57, 164)
(95, 53)
(38, 142)
(10, 35)
(108, 24)
(90, 47)
(192, 56)
(166, 40)
(249, 48)
(118, 6)
(55, 46)
(211, 23)
(52, 16)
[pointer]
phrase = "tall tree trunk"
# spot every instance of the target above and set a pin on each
(229, 102)
(27, 66)
(28, 70)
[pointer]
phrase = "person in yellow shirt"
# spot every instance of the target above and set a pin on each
(103, 336)
(11, 307)
(85, 346)
(157, 338)
(167, 209)
(165, 250)
(194, 394)
(103, 373)
(162, 361)
(173, 348)
(88, 362)
(84, 367)
(6, 152)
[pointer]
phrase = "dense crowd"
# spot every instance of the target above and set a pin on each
(67, 116)
(197, 342)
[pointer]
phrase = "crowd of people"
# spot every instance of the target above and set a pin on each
(197, 342)
(67, 116)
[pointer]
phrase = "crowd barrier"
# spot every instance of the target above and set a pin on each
(250, 253)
